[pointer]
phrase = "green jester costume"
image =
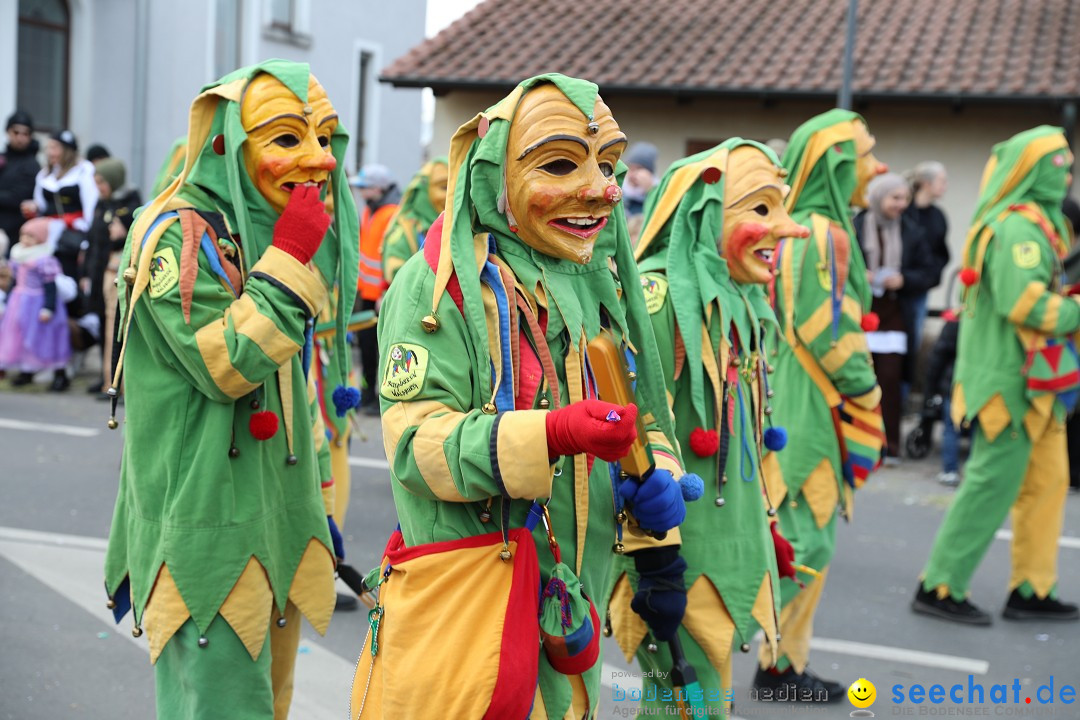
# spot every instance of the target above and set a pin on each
(220, 536)
(829, 395)
(710, 228)
(1015, 312)
(484, 335)
(422, 201)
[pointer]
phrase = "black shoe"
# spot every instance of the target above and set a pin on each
(95, 388)
(927, 602)
(1036, 608)
(60, 383)
(23, 378)
(790, 686)
(346, 603)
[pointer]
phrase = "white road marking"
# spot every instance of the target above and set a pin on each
(71, 430)
(1065, 541)
(895, 654)
(73, 567)
(369, 463)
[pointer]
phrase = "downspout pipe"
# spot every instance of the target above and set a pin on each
(843, 101)
(142, 57)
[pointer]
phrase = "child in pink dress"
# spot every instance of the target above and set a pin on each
(34, 333)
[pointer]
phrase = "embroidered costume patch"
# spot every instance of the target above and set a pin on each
(655, 288)
(164, 272)
(1026, 255)
(406, 368)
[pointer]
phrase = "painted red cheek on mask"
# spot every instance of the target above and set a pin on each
(277, 166)
(744, 235)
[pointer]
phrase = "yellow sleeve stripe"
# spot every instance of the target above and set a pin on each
(287, 270)
(1026, 302)
(427, 450)
(264, 332)
(1052, 313)
(215, 355)
(848, 345)
(523, 454)
(821, 320)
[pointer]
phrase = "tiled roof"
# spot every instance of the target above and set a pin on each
(945, 48)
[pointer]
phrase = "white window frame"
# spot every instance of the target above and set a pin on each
(371, 108)
(298, 31)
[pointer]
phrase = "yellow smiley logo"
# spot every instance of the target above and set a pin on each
(862, 693)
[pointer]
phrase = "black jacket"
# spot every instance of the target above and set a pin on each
(918, 263)
(17, 172)
(939, 373)
(120, 205)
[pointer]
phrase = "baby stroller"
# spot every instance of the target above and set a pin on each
(939, 376)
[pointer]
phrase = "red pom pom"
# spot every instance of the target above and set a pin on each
(263, 425)
(870, 322)
(969, 276)
(704, 442)
(949, 315)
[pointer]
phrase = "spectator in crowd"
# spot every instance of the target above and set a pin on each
(896, 265)
(18, 168)
(640, 177)
(1071, 209)
(65, 189)
(939, 377)
(112, 218)
(34, 332)
(97, 152)
(379, 191)
(928, 182)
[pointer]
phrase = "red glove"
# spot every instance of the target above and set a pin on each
(302, 226)
(583, 427)
(785, 554)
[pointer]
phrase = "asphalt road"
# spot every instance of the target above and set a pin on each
(63, 657)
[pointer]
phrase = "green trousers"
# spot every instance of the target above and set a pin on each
(220, 681)
(1031, 478)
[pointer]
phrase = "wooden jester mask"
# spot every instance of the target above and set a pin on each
(754, 216)
(288, 141)
(560, 174)
(866, 165)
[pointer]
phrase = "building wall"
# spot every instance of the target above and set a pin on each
(906, 133)
(138, 124)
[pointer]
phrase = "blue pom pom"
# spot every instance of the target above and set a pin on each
(692, 486)
(345, 399)
(775, 438)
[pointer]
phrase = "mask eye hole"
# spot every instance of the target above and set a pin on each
(607, 169)
(762, 210)
(324, 141)
(288, 140)
(559, 167)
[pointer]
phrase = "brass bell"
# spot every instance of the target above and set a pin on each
(136, 631)
(291, 460)
(505, 555)
(129, 275)
(430, 323)
(632, 376)
(768, 410)
(769, 393)
(203, 641)
(782, 172)
(111, 604)
(651, 647)
(113, 424)
(234, 452)
(607, 629)
(620, 517)
(777, 637)
(485, 516)
(720, 502)
(770, 369)
(281, 622)
(544, 404)
(618, 548)
(771, 512)
(832, 343)
(745, 647)
(489, 408)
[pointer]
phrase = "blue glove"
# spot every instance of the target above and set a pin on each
(660, 599)
(335, 538)
(657, 501)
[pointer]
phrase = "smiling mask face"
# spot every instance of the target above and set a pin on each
(440, 174)
(754, 216)
(288, 141)
(560, 176)
(867, 167)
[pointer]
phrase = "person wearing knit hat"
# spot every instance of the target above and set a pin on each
(423, 200)
(827, 391)
(97, 152)
(488, 391)
(705, 257)
(112, 220)
(18, 168)
(640, 177)
(1016, 313)
(34, 332)
(221, 537)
